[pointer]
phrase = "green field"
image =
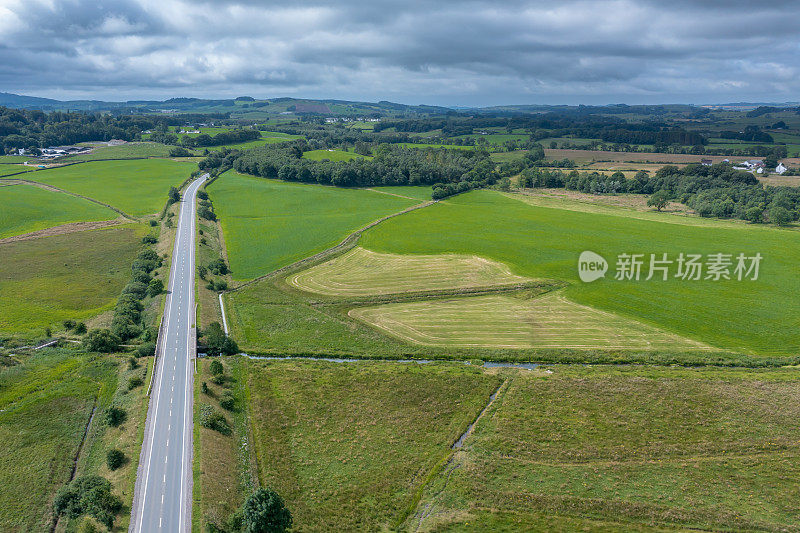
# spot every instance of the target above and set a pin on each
(625, 449)
(349, 445)
(420, 193)
(331, 155)
(132, 150)
(74, 276)
(137, 187)
(24, 208)
(752, 316)
(361, 272)
(45, 404)
(6, 169)
(269, 224)
(549, 321)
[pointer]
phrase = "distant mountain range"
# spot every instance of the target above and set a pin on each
(243, 106)
(249, 107)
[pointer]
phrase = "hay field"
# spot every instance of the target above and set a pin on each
(362, 272)
(495, 321)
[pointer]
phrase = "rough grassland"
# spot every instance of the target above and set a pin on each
(361, 272)
(138, 187)
(45, 405)
(44, 281)
(268, 223)
(348, 445)
(549, 321)
(707, 449)
(757, 317)
(331, 155)
(24, 209)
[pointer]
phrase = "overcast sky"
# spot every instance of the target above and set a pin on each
(434, 52)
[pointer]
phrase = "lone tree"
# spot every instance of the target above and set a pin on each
(265, 512)
(659, 200)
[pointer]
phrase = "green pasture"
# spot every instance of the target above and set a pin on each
(137, 187)
(349, 445)
(7, 169)
(269, 223)
(626, 449)
(25, 208)
(74, 276)
(756, 317)
(132, 150)
(331, 155)
(421, 193)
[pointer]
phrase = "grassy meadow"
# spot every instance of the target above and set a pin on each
(74, 276)
(26, 208)
(131, 150)
(349, 445)
(754, 317)
(45, 404)
(268, 224)
(137, 187)
(8, 169)
(331, 155)
(697, 449)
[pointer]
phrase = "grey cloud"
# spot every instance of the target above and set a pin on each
(444, 52)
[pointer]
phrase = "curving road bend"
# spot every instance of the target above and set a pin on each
(163, 495)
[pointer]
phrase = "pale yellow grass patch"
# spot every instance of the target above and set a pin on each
(497, 321)
(361, 272)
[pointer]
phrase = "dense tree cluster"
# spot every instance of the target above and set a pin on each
(392, 165)
(88, 495)
(21, 128)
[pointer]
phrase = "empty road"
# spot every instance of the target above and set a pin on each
(163, 495)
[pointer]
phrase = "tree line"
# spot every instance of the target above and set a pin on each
(391, 165)
(23, 128)
(715, 191)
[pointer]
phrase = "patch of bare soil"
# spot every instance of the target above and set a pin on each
(63, 229)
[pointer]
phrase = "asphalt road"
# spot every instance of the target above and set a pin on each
(163, 494)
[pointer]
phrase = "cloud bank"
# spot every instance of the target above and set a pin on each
(436, 52)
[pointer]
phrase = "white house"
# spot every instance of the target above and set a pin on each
(780, 169)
